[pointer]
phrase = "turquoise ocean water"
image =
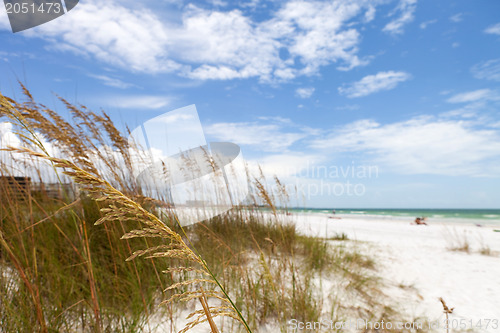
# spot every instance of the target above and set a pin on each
(471, 216)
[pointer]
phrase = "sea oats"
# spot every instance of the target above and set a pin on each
(79, 149)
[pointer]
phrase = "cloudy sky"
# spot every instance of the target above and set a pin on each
(317, 92)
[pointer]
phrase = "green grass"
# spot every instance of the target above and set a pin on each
(65, 258)
(266, 266)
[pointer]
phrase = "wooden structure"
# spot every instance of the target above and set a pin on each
(54, 190)
(21, 188)
(15, 187)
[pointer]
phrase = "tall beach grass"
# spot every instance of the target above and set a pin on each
(104, 256)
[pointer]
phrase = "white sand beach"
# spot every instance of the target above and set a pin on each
(418, 266)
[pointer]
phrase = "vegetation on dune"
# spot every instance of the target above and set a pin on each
(70, 262)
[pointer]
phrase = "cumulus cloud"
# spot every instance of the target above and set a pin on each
(447, 144)
(220, 43)
(315, 33)
(406, 10)
(112, 34)
(489, 70)
(234, 46)
(493, 29)
(227, 44)
(374, 83)
(421, 145)
(304, 92)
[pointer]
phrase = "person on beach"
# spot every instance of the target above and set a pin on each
(420, 221)
(334, 217)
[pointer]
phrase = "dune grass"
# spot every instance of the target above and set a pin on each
(108, 258)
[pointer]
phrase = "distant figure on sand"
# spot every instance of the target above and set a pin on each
(420, 221)
(334, 217)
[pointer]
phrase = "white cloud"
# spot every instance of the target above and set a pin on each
(137, 101)
(112, 34)
(422, 145)
(40, 170)
(493, 29)
(4, 20)
(21, 164)
(457, 143)
(456, 18)
(234, 46)
(489, 70)
(425, 24)
(468, 110)
(264, 137)
(207, 72)
(7, 136)
(219, 3)
(473, 96)
(407, 9)
(370, 14)
(112, 82)
(304, 92)
(217, 43)
(250, 4)
(228, 45)
(317, 34)
(373, 83)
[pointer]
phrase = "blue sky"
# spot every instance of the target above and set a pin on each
(410, 88)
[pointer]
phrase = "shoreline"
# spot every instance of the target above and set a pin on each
(459, 222)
